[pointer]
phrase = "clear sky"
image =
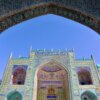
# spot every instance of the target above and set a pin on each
(49, 32)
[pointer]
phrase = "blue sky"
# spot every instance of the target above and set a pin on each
(49, 32)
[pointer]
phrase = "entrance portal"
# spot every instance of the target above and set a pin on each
(52, 82)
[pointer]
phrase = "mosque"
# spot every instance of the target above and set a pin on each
(50, 75)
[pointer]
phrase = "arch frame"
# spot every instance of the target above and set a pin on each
(35, 78)
(77, 15)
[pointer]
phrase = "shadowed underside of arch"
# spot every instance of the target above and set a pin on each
(86, 12)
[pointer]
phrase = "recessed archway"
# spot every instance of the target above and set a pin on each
(84, 76)
(88, 95)
(51, 82)
(18, 75)
(14, 96)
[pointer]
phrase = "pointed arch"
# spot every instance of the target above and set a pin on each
(51, 81)
(18, 16)
(15, 95)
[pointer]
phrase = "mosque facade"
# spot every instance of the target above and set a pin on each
(50, 75)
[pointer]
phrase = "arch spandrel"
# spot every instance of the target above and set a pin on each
(86, 12)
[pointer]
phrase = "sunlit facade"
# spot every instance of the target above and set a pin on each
(50, 75)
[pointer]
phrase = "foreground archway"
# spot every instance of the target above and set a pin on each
(85, 12)
(52, 82)
(14, 96)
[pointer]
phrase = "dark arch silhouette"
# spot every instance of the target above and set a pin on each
(14, 96)
(86, 12)
(88, 95)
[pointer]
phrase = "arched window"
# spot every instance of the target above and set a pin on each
(19, 75)
(84, 76)
(14, 96)
(87, 95)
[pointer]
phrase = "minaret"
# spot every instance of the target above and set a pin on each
(30, 48)
(10, 55)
